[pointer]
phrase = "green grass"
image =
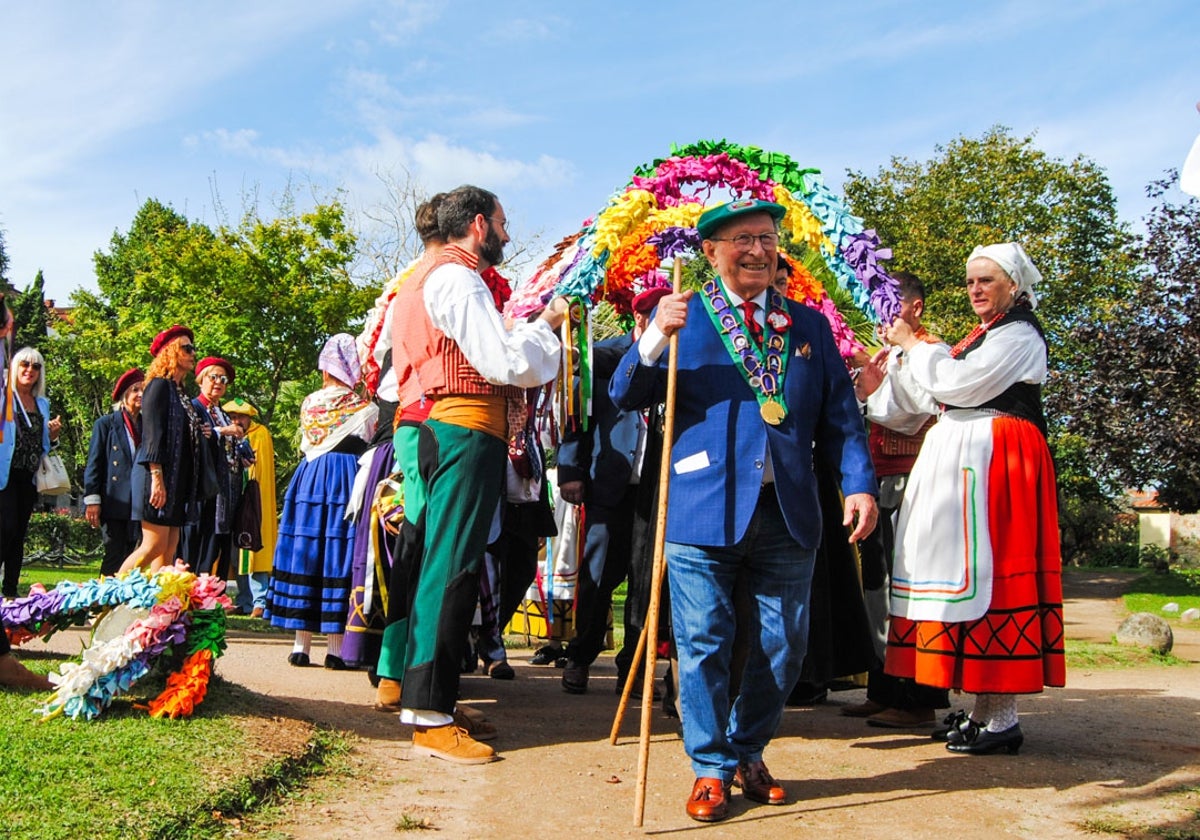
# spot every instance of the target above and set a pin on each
(50, 575)
(1093, 656)
(1151, 591)
(126, 775)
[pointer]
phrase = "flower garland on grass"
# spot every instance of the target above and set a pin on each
(654, 219)
(183, 612)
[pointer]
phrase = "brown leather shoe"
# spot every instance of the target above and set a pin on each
(257, 612)
(864, 709)
(902, 718)
(709, 801)
(758, 784)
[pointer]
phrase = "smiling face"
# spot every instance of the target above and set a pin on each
(746, 273)
(990, 289)
(28, 374)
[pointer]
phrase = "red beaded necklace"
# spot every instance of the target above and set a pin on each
(974, 334)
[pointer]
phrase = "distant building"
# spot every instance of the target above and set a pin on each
(1159, 526)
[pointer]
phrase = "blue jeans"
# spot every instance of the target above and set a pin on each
(252, 590)
(777, 574)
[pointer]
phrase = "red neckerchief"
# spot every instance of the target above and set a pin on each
(498, 285)
(132, 428)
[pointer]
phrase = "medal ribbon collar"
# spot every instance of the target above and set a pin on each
(763, 368)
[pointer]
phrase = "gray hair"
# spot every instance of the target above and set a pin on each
(28, 354)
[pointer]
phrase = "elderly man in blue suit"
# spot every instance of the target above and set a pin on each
(760, 387)
(107, 477)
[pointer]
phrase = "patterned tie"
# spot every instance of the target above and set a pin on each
(752, 325)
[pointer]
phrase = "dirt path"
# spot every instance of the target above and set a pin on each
(1115, 748)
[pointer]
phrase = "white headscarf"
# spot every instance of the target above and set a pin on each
(1011, 257)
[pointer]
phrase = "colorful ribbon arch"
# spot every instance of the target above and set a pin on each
(653, 219)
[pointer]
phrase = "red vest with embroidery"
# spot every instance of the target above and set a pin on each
(441, 366)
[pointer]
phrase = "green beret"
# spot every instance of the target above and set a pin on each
(712, 219)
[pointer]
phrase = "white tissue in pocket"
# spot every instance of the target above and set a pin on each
(691, 463)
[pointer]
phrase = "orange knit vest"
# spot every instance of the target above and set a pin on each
(441, 366)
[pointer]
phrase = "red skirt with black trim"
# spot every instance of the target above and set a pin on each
(1017, 646)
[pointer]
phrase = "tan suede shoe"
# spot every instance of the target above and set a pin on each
(480, 730)
(387, 695)
(450, 743)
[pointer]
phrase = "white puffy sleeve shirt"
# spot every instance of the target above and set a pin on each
(1011, 353)
(460, 305)
(899, 403)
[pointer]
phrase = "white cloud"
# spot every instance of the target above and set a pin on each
(75, 78)
(403, 19)
(529, 29)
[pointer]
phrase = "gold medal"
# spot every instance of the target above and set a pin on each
(772, 412)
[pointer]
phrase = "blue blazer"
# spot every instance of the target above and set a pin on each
(108, 476)
(602, 457)
(9, 445)
(717, 458)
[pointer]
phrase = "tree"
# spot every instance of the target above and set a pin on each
(1139, 406)
(999, 188)
(4, 287)
(30, 316)
(264, 295)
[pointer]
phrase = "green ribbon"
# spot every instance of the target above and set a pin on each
(719, 309)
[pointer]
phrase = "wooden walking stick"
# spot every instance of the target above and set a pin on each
(627, 691)
(650, 629)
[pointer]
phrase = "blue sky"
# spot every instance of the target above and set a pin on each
(552, 105)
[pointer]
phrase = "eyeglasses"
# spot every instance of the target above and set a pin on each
(502, 222)
(188, 348)
(217, 377)
(25, 363)
(745, 241)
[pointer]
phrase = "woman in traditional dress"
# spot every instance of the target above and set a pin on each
(977, 590)
(310, 583)
(27, 436)
(166, 472)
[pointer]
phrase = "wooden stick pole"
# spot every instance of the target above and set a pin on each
(660, 540)
(627, 691)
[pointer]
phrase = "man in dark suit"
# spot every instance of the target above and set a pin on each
(760, 387)
(106, 479)
(601, 468)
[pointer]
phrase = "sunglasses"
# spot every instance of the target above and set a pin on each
(27, 364)
(188, 348)
(218, 377)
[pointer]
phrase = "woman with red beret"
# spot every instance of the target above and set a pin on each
(167, 470)
(208, 541)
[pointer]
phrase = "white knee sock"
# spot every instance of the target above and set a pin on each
(303, 642)
(1004, 712)
(333, 645)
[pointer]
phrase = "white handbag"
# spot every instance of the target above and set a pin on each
(52, 478)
